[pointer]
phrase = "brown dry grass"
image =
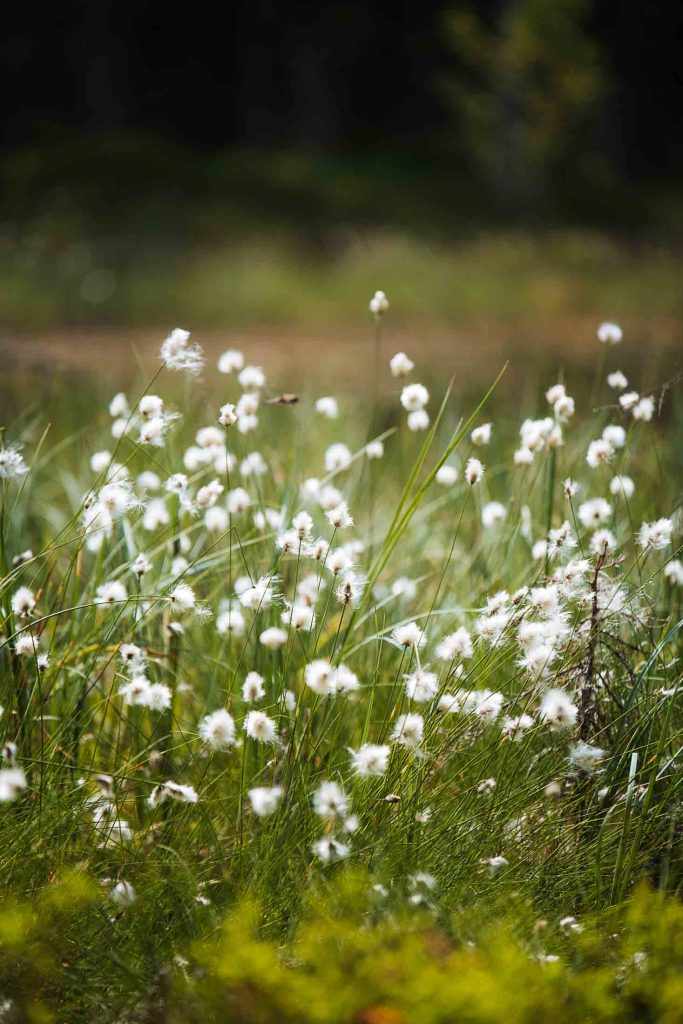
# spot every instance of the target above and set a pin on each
(340, 355)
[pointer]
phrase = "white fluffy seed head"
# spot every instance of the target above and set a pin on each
(617, 380)
(231, 360)
(319, 677)
(264, 800)
(599, 453)
(253, 688)
(610, 333)
(446, 476)
(252, 378)
(12, 783)
(414, 397)
(378, 304)
(418, 420)
(482, 435)
(474, 471)
(370, 760)
(644, 409)
(177, 353)
(408, 730)
(409, 635)
(327, 406)
(258, 726)
(337, 458)
(228, 415)
(401, 365)
(182, 598)
(493, 514)
(558, 710)
(218, 729)
(273, 638)
(657, 535)
(23, 602)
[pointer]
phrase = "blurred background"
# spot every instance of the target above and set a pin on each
(509, 172)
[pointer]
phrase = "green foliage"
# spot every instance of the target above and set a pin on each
(525, 91)
(347, 960)
(42, 941)
(346, 964)
(534, 285)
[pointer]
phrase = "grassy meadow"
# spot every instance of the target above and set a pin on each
(338, 688)
(54, 276)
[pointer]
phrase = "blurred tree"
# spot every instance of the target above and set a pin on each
(527, 79)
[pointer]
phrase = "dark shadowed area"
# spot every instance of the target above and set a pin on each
(509, 173)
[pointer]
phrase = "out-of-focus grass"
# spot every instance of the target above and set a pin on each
(511, 276)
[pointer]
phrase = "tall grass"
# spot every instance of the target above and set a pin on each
(422, 657)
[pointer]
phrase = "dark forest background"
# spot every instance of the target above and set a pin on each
(133, 128)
